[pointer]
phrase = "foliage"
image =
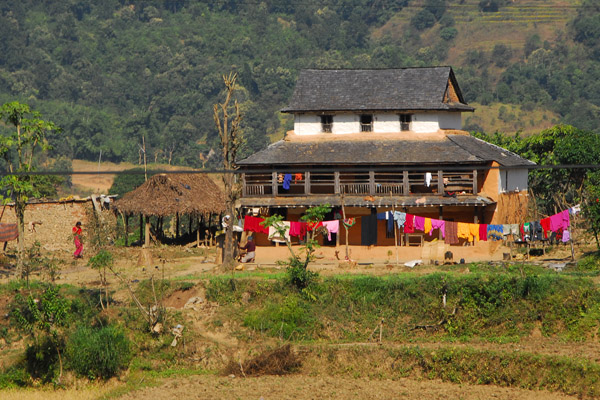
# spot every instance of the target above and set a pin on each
(297, 271)
(555, 188)
(17, 148)
(99, 352)
(102, 261)
(591, 208)
(43, 319)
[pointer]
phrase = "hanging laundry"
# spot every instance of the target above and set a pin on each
(368, 232)
(545, 223)
(566, 236)
(505, 229)
(252, 224)
(409, 224)
(464, 231)
(287, 179)
(473, 232)
(311, 226)
(575, 209)
(297, 177)
(274, 235)
(428, 179)
(298, 229)
(348, 222)
(332, 227)
(400, 218)
(495, 232)
(514, 230)
(280, 178)
(451, 234)
(483, 232)
(560, 221)
(427, 228)
(438, 224)
(536, 230)
(419, 223)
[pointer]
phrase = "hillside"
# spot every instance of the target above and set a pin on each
(110, 73)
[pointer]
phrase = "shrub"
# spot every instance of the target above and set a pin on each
(98, 352)
(42, 360)
(448, 33)
(298, 276)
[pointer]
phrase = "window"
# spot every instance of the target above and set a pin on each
(405, 120)
(366, 123)
(326, 123)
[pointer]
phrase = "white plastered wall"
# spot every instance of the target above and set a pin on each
(345, 123)
(424, 123)
(512, 180)
(307, 124)
(385, 123)
(450, 120)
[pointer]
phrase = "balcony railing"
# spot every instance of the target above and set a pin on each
(399, 183)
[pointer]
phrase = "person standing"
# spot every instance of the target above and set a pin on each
(77, 239)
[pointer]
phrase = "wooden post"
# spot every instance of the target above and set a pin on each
(405, 185)
(345, 227)
(141, 228)
(406, 234)
(274, 183)
(440, 233)
(177, 225)
(147, 232)
(440, 186)
(336, 180)
(307, 182)
(198, 233)
(371, 182)
(395, 228)
(474, 181)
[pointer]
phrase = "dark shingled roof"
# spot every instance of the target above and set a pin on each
(375, 90)
(451, 150)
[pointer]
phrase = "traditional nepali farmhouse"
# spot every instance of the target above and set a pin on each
(377, 140)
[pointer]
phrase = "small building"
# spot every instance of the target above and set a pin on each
(374, 140)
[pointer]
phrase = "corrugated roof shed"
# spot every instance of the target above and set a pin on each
(375, 89)
(453, 149)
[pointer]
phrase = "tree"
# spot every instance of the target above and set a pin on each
(43, 318)
(231, 137)
(591, 209)
(298, 273)
(18, 148)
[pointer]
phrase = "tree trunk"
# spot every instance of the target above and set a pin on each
(228, 250)
(20, 214)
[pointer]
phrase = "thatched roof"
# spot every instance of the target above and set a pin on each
(168, 194)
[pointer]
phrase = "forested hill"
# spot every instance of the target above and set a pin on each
(111, 71)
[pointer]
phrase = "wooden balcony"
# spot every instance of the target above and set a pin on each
(373, 183)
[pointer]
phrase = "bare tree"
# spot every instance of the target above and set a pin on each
(231, 139)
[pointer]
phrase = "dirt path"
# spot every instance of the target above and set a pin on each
(316, 387)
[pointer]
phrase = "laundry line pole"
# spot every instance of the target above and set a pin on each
(344, 219)
(395, 228)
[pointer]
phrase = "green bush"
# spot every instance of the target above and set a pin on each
(298, 276)
(15, 376)
(98, 352)
(42, 360)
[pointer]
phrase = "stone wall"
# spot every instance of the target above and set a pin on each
(57, 220)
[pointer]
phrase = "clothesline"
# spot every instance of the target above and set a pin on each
(410, 223)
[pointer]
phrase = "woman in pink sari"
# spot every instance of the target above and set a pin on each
(78, 242)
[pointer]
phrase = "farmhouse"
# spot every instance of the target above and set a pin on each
(381, 140)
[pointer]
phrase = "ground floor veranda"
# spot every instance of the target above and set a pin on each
(428, 247)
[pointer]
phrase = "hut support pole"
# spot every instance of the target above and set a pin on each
(190, 224)
(141, 228)
(198, 233)
(147, 232)
(177, 225)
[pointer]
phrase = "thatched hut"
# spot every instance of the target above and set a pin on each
(172, 195)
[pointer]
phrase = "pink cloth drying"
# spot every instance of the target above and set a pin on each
(560, 221)
(332, 227)
(438, 224)
(420, 223)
